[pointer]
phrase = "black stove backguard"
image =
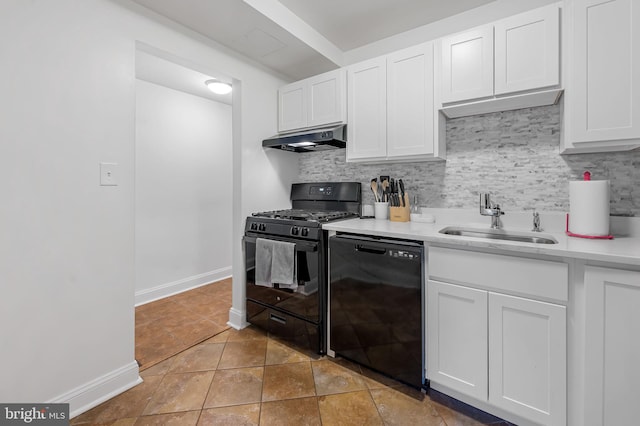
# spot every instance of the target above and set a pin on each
(327, 196)
(298, 316)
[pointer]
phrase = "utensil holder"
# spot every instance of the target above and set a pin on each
(401, 214)
(381, 210)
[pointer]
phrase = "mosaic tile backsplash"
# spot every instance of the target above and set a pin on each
(512, 155)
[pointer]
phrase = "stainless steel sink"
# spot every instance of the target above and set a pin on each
(499, 234)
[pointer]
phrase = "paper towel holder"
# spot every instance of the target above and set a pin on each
(592, 237)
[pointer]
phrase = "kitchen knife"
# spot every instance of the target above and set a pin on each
(392, 189)
(401, 191)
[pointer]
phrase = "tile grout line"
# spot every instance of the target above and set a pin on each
(204, 401)
(264, 368)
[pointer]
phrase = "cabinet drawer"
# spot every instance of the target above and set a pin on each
(508, 274)
(304, 334)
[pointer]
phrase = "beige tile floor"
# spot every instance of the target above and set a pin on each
(248, 378)
(169, 326)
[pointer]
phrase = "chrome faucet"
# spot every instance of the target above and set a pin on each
(536, 222)
(487, 208)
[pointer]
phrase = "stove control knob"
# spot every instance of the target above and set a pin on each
(304, 232)
(294, 230)
(254, 226)
(262, 227)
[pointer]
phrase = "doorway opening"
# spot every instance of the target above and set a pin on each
(183, 205)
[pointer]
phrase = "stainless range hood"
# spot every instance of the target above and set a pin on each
(310, 140)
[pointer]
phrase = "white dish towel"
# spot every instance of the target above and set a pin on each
(276, 264)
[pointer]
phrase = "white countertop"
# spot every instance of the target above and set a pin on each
(624, 249)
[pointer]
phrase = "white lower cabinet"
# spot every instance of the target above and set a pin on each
(507, 353)
(612, 346)
(457, 321)
(527, 358)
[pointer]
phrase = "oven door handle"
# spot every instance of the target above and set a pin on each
(305, 246)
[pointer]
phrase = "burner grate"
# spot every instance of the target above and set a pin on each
(305, 215)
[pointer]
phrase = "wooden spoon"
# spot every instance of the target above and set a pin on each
(374, 188)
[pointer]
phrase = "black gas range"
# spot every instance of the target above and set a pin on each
(297, 223)
(298, 312)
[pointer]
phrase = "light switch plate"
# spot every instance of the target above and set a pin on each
(108, 174)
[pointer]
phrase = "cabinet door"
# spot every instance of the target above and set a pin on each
(605, 95)
(527, 51)
(367, 110)
(292, 107)
(612, 346)
(326, 98)
(410, 102)
(528, 358)
(457, 338)
(467, 65)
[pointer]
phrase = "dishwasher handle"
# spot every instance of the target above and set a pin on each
(373, 250)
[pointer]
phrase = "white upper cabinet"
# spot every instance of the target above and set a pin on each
(391, 108)
(527, 51)
(327, 98)
(367, 110)
(517, 56)
(467, 65)
(292, 107)
(410, 106)
(313, 102)
(603, 100)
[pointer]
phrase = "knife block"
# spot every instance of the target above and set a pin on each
(401, 214)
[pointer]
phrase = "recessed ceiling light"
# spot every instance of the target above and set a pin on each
(218, 87)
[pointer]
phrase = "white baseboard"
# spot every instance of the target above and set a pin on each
(101, 389)
(169, 289)
(237, 319)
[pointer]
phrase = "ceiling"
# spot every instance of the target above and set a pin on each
(301, 38)
(354, 23)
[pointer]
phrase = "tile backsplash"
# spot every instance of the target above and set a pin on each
(513, 155)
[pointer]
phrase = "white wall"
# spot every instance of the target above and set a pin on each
(183, 184)
(67, 244)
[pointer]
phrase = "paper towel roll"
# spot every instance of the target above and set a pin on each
(589, 207)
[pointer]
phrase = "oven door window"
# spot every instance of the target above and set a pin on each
(302, 302)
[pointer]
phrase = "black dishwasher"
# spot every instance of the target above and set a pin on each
(376, 304)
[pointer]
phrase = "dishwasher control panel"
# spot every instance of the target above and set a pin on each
(404, 254)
